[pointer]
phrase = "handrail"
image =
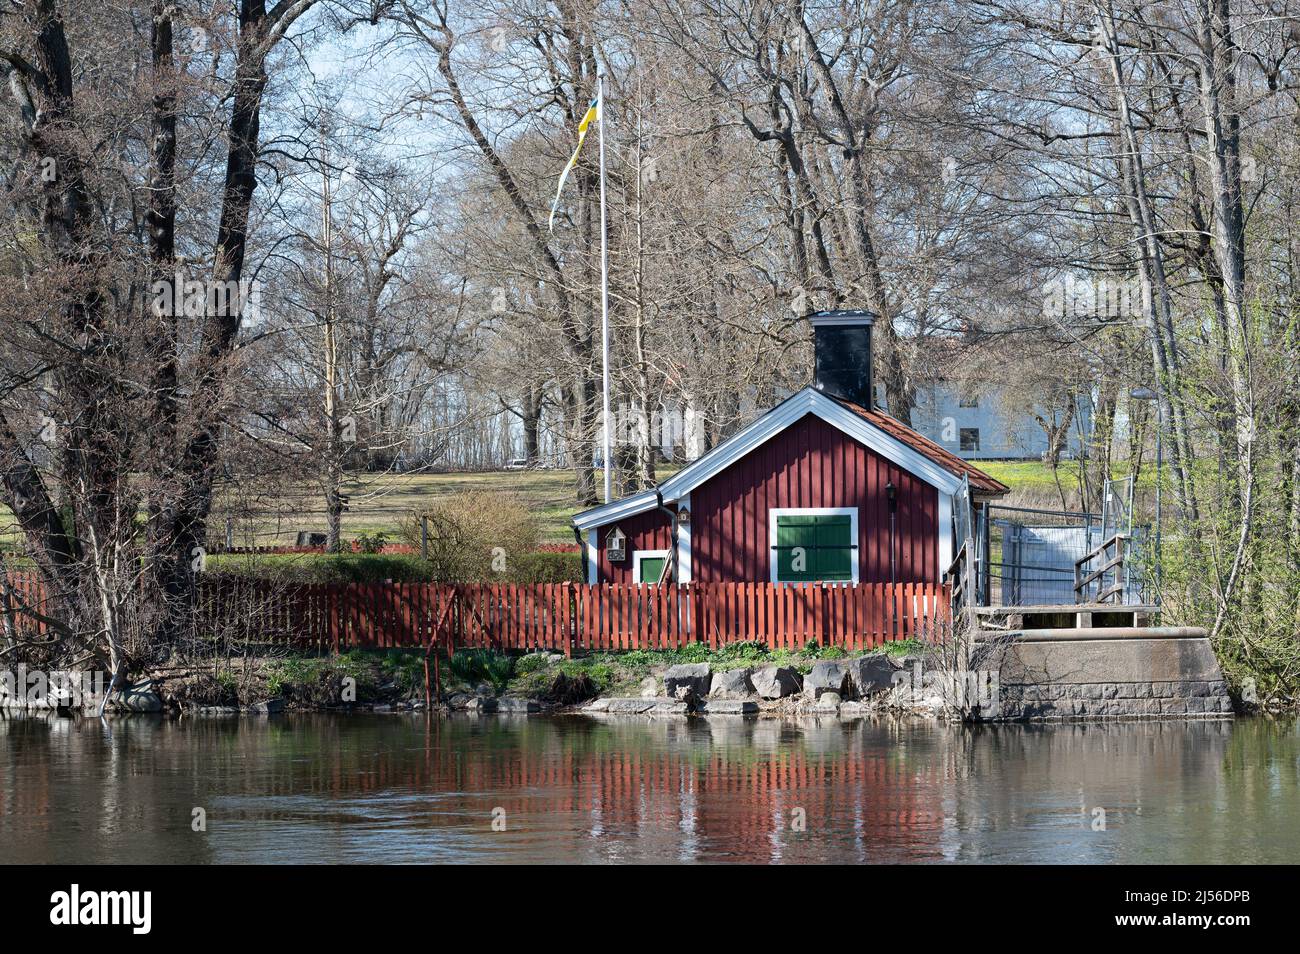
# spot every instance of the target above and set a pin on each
(1114, 563)
(1098, 550)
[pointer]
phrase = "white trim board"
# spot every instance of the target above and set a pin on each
(593, 555)
(774, 512)
(639, 555)
(684, 543)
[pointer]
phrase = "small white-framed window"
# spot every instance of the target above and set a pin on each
(813, 544)
(648, 565)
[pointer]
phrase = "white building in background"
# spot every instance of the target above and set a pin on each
(993, 423)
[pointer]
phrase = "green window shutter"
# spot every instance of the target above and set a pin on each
(827, 543)
(651, 569)
(835, 548)
(795, 532)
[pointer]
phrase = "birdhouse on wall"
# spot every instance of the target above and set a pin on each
(616, 546)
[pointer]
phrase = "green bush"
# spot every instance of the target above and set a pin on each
(472, 666)
(293, 568)
(533, 662)
(499, 670)
(370, 542)
(543, 567)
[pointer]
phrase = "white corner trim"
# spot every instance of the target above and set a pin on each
(774, 512)
(639, 555)
(807, 401)
(945, 533)
(684, 543)
(593, 556)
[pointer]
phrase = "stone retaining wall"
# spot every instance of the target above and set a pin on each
(1153, 675)
(1196, 698)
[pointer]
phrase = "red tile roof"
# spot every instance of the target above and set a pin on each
(980, 482)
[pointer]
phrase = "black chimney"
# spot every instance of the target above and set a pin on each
(842, 346)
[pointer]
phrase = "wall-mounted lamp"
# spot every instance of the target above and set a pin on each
(684, 516)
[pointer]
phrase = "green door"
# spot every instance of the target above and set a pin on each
(814, 548)
(652, 568)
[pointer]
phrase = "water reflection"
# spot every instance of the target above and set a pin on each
(315, 788)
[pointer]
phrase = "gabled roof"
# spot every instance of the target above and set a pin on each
(879, 432)
(980, 482)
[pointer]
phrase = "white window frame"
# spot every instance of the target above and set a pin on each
(774, 512)
(639, 555)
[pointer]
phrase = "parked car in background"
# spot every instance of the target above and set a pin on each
(516, 463)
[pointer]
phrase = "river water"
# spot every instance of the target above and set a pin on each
(407, 788)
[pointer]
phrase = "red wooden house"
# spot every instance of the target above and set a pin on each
(823, 487)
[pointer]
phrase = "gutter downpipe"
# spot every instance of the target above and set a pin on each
(586, 570)
(672, 535)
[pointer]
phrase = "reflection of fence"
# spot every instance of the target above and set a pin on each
(566, 617)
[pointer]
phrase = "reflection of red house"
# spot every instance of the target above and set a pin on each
(821, 487)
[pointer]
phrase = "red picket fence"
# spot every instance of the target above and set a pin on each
(560, 617)
(569, 618)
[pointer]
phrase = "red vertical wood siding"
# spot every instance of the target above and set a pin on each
(810, 464)
(645, 531)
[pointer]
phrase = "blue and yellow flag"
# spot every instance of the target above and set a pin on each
(592, 115)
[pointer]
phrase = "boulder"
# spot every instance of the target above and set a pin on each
(520, 706)
(649, 687)
(903, 662)
(826, 676)
(214, 711)
(870, 674)
(828, 701)
(269, 707)
(775, 682)
(631, 706)
(729, 707)
(458, 701)
(141, 697)
(687, 680)
(673, 707)
(481, 704)
(732, 684)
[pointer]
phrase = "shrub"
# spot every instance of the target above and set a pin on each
(474, 535)
(499, 670)
(544, 567)
(466, 665)
(533, 662)
(370, 542)
(472, 666)
(322, 568)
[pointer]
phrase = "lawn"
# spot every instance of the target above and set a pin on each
(378, 504)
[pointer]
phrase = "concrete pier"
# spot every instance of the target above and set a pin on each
(1143, 672)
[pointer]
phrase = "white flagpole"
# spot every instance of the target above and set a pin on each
(604, 292)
